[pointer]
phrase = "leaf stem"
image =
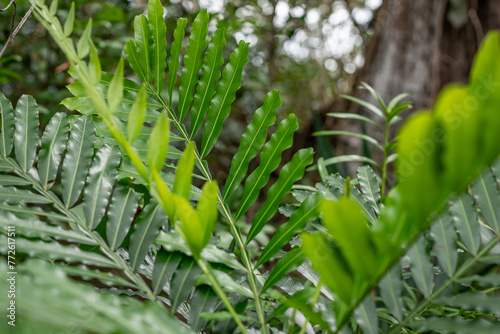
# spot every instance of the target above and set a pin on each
(229, 218)
(384, 162)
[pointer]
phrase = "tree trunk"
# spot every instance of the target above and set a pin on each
(418, 47)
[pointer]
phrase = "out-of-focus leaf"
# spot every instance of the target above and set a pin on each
(137, 116)
(26, 131)
(83, 44)
(347, 225)
(204, 301)
(158, 142)
(183, 177)
(115, 90)
(70, 20)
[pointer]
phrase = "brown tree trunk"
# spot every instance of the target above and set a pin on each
(418, 47)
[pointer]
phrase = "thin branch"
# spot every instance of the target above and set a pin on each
(13, 32)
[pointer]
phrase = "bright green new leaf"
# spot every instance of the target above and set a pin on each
(346, 223)
(53, 7)
(175, 51)
(330, 264)
(192, 62)
(198, 229)
(70, 21)
(137, 116)
(94, 65)
(419, 166)
(252, 141)
(158, 142)
(115, 90)
(456, 110)
(83, 45)
(183, 177)
(207, 209)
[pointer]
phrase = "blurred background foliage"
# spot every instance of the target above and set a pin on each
(310, 50)
(313, 51)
